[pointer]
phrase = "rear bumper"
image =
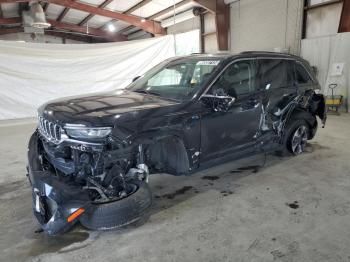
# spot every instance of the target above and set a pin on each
(53, 200)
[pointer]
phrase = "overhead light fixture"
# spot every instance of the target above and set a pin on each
(140, 15)
(111, 27)
(38, 14)
(34, 17)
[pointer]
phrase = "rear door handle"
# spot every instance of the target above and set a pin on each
(253, 101)
(250, 103)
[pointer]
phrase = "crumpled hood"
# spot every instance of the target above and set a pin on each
(102, 108)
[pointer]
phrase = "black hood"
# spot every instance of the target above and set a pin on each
(104, 108)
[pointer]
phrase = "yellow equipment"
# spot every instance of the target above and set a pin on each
(333, 102)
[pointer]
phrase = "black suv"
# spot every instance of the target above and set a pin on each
(90, 157)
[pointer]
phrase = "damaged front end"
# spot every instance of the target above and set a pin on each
(71, 179)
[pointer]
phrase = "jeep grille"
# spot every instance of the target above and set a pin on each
(49, 130)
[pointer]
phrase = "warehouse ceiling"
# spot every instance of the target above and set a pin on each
(111, 20)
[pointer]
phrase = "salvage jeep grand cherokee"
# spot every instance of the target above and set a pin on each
(90, 157)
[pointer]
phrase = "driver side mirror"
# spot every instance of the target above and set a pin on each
(219, 103)
(135, 78)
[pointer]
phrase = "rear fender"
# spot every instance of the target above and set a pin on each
(318, 107)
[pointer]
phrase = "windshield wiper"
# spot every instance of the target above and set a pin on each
(142, 91)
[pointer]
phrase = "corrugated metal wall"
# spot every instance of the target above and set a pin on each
(323, 21)
(269, 25)
(323, 52)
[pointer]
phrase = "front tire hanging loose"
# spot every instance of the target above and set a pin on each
(119, 213)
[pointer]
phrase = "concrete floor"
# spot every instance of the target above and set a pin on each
(293, 209)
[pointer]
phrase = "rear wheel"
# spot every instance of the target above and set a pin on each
(298, 140)
(295, 138)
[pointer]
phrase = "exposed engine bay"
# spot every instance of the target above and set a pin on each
(102, 169)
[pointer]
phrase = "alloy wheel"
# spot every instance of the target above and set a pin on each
(299, 140)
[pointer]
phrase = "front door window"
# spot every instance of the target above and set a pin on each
(237, 80)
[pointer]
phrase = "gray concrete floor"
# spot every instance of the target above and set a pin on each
(293, 209)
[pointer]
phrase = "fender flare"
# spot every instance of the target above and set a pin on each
(299, 113)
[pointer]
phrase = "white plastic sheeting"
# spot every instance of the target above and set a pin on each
(324, 52)
(32, 74)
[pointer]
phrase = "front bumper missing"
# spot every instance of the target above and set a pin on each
(54, 201)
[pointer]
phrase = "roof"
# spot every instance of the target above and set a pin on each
(266, 53)
(242, 54)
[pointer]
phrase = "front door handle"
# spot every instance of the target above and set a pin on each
(253, 100)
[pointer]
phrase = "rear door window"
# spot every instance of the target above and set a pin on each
(275, 73)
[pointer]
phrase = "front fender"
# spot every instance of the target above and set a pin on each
(184, 126)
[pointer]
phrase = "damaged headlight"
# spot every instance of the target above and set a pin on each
(88, 132)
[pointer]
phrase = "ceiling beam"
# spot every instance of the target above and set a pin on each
(66, 35)
(10, 21)
(129, 11)
(91, 31)
(169, 9)
(115, 37)
(87, 18)
(150, 26)
(62, 14)
(14, 1)
(137, 6)
(160, 13)
(13, 30)
(126, 29)
(80, 38)
(344, 24)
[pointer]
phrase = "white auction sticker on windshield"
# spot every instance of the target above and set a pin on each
(209, 62)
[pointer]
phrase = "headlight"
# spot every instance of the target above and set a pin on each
(88, 132)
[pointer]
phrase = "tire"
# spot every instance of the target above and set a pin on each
(119, 213)
(295, 139)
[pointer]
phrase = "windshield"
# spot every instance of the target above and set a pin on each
(178, 80)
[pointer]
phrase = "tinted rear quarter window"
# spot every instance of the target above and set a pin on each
(301, 75)
(275, 73)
